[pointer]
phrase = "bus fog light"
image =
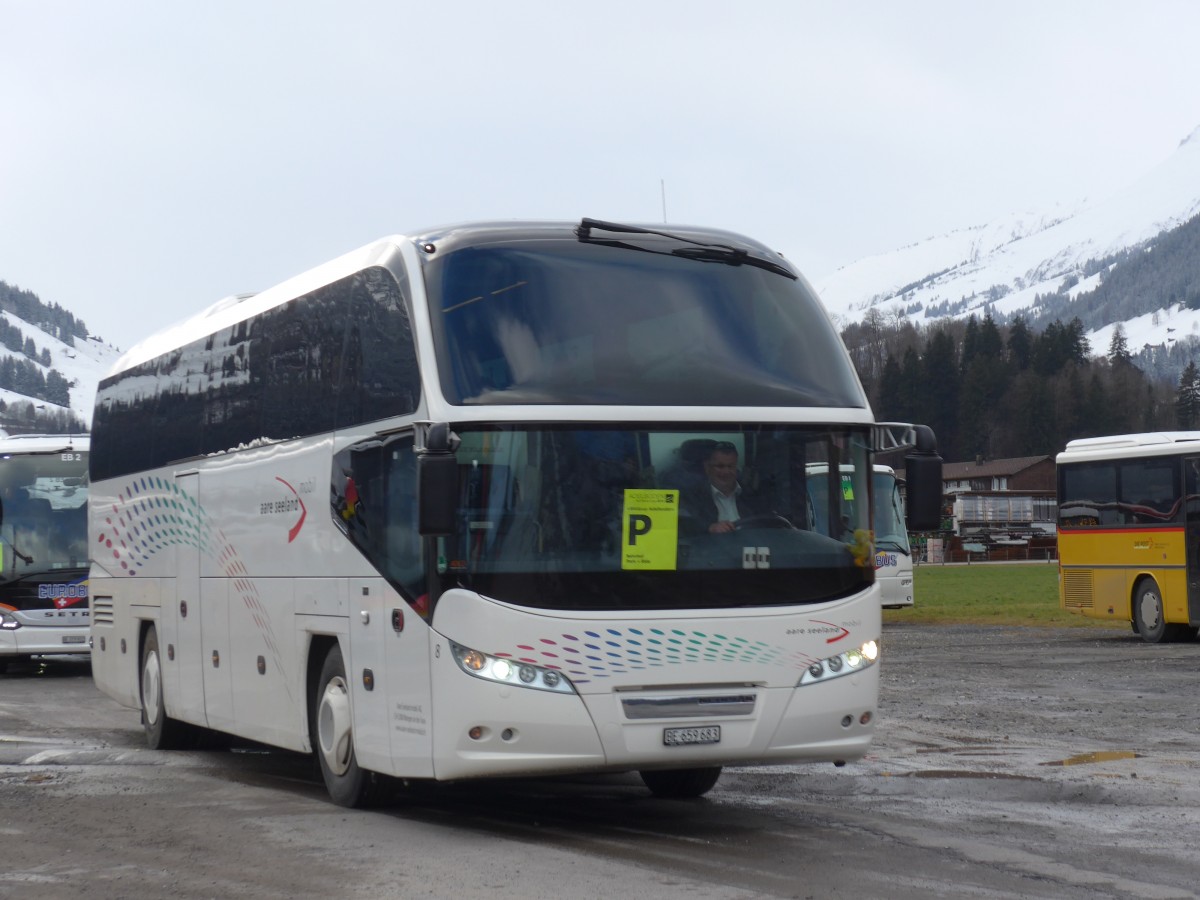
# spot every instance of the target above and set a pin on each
(476, 733)
(847, 721)
(865, 718)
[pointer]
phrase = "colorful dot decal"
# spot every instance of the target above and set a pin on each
(619, 651)
(153, 515)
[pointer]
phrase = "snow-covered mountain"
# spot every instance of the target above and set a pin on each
(82, 365)
(1007, 263)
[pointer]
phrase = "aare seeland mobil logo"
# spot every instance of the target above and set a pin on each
(289, 504)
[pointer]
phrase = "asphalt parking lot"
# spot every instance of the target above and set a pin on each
(1009, 762)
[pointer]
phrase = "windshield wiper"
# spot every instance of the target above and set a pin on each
(699, 250)
(893, 545)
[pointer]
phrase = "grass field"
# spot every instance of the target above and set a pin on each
(1001, 594)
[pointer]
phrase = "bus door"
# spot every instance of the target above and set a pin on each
(182, 627)
(1191, 493)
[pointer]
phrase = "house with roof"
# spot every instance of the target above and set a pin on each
(999, 498)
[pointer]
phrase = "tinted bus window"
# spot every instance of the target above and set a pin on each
(1150, 490)
(1087, 496)
(567, 322)
(334, 358)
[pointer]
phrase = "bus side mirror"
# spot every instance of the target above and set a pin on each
(437, 483)
(923, 483)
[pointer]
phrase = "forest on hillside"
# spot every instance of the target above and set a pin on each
(998, 391)
(1024, 385)
(27, 368)
(50, 317)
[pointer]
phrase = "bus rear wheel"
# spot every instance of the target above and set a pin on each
(333, 738)
(680, 783)
(162, 732)
(1149, 618)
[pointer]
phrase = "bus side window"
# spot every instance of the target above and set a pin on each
(373, 496)
(402, 542)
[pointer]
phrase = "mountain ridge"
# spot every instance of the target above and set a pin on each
(1002, 267)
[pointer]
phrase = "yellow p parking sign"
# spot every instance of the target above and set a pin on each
(650, 529)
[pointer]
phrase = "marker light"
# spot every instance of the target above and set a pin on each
(845, 663)
(504, 671)
(8, 622)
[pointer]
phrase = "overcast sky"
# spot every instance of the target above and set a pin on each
(157, 156)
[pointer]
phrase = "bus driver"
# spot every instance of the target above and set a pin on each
(720, 501)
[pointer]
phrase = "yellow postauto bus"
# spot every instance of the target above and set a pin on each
(1129, 531)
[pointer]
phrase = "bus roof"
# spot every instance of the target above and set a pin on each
(1151, 443)
(43, 443)
(238, 307)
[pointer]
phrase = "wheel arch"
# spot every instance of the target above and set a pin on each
(143, 630)
(1135, 585)
(319, 646)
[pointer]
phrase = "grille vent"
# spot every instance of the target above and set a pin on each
(102, 611)
(1077, 589)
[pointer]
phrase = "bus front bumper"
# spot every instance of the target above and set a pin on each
(43, 640)
(490, 730)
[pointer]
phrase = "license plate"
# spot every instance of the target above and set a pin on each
(74, 638)
(674, 737)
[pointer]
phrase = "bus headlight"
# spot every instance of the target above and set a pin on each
(8, 622)
(509, 671)
(845, 663)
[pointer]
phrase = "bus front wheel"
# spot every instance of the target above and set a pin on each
(333, 737)
(680, 783)
(162, 732)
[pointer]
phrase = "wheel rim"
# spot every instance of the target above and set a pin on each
(1150, 610)
(151, 687)
(333, 726)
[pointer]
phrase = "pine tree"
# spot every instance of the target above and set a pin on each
(939, 394)
(1118, 348)
(1187, 398)
(1020, 345)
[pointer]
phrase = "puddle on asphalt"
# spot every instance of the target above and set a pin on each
(963, 773)
(1096, 756)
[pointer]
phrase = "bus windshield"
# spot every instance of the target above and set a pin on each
(891, 534)
(629, 517)
(43, 525)
(560, 321)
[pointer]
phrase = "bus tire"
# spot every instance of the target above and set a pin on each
(680, 784)
(162, 732)
(333, 737)
(1149, 618)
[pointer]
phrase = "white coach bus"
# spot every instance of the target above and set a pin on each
(43, 546)
(893, 556)
(441, 509)
(893, 553)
